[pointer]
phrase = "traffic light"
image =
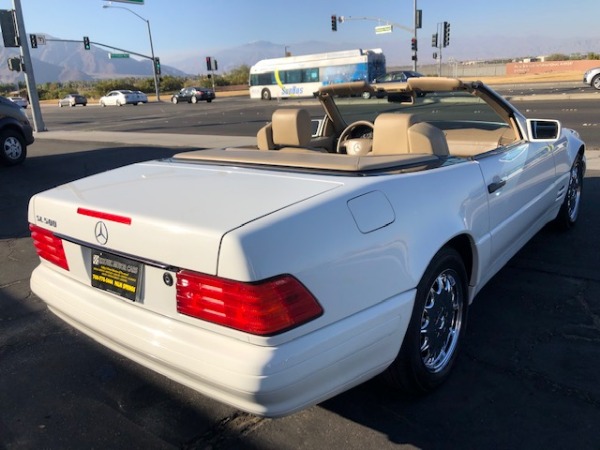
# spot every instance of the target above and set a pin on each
(208, 63)
(15, 64)
(446, 34)
(86, 42)
(157, 65)
(434, 40)
(33, 39)
(413, 44)
(334, 23)
(9, 28)
(215, 64)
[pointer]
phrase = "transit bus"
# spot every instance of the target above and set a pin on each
(301, 76)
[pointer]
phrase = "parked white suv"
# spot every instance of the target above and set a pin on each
(592, 78)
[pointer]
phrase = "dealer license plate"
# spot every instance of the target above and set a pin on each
(116, 274)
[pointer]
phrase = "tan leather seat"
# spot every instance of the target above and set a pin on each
(288, 128)
(395, 133)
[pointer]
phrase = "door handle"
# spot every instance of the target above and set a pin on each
(493, 187)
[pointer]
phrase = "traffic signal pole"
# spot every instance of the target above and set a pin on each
(34, 100)
(417, 23)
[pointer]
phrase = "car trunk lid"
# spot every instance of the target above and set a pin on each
(168, 212)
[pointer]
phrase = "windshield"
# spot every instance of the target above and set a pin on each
(428, 107)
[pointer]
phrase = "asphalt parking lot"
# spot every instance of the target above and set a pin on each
(527, 376)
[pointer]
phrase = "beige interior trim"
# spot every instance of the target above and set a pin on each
(305, 158)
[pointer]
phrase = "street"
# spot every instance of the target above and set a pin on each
(526, 377)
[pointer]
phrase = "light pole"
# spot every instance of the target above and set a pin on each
(156, 83)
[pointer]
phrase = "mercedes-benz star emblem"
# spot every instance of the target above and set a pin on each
(101, 233)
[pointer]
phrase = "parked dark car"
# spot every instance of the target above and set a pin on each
(16, 133)
(73, 100)
(193, 95)
(390, 77)
(399, 75)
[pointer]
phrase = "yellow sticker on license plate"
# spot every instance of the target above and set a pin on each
(116, 274)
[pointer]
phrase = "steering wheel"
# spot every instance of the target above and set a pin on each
(361, 144)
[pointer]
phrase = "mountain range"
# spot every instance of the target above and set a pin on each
(60, 61)
(398, 53)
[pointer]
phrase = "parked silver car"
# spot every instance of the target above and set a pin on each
(20, 101)
(72, 100)
(16, 133)
(592, 78)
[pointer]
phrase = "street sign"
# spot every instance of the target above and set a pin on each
(383, 29)
(41, 39)
(118, 55)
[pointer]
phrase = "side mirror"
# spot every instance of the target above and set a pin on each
(543, 130)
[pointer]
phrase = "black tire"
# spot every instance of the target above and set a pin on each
(13, 149)
(596, 82)
(60, 105)
(569, 210)
(265, 94)
(208, 100)
(194, 99)
(436, 327)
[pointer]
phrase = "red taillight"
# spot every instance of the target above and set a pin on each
(49, 246)
(264, 308)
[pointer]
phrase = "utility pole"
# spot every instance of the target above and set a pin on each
(38, 122)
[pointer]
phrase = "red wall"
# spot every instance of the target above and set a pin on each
(551, 66)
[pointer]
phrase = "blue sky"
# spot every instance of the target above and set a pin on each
(197, 28)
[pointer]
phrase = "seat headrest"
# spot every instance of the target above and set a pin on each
(426, 138)
(390, 133)
(291, 127)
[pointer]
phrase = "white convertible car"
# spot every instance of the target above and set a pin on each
(275, 276)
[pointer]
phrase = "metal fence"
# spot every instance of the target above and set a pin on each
(458, 70)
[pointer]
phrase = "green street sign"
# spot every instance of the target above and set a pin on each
(383, 29)
(118, 55)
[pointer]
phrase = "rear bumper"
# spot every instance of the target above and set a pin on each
(263, 380)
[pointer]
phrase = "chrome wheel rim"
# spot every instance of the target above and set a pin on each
(574, 191)
(12, 148)
(441, 321)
